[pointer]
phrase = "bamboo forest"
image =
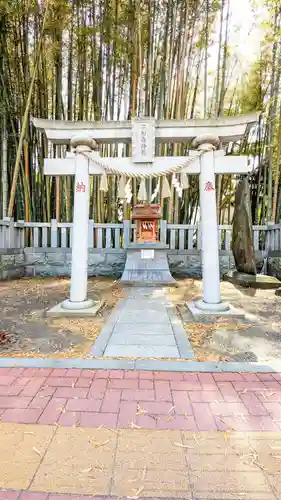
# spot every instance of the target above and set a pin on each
(99, 60)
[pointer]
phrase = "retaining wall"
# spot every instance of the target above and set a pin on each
(274, 264)
(12, 263)
(108, 262)
(15, 263)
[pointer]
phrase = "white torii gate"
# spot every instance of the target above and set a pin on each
(207, 162)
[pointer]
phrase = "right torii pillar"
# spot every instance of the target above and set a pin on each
(211, 302)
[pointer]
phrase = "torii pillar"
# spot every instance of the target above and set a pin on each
(78, 304)
(211, 303)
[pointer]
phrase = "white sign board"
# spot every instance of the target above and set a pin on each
(147, 254)
(143, 141)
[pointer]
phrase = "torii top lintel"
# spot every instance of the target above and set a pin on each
(170, 131)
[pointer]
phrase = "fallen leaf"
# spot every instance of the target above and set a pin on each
(61, 409)
(155, 417)
(98, 467)
(135, 426)
(195, 439)
(87, 470)
(136, 496)
(98, 445)
(133, 480)
(180, 445)
(140, 410)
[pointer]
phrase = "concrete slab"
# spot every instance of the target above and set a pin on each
(144, 329)
(142, 364)
(138, 351)
(22, 449)
(133, 317)
(148, 340)
(180, 334)
(67, 462)
(102, 340)
(151, 293)
(109, 464)
(58, 311)
(146, 304)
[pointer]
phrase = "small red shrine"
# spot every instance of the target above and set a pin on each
(146, 218)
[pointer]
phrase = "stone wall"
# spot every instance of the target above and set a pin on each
(105, 262)
(189, 263)
(110, 262)
(12, 264)
(57, 262)
(274, 264)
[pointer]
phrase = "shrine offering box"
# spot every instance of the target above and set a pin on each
(146, 218)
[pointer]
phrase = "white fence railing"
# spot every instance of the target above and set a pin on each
(186, 237)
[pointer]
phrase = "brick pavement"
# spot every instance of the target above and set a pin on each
(122, 399)
(118, 434)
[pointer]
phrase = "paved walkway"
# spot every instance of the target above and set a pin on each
(70, 434)
(144, 324)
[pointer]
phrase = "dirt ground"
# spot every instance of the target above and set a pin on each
(25, 332)
(256, 337)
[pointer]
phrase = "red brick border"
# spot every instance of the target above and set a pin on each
(153, 400)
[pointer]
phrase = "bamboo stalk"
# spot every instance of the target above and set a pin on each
(25, 120)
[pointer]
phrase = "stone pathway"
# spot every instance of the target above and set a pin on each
(70, 434)
(145, 325)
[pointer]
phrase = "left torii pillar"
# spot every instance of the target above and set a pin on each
(78, 164)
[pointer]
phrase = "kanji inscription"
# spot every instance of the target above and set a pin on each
(143, 140)
(208, 186)
(80, 187)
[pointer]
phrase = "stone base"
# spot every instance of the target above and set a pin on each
(252, 281)
(69, 305)
(147, 271)
(217, 308)
(196, 312)
(60, 311)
